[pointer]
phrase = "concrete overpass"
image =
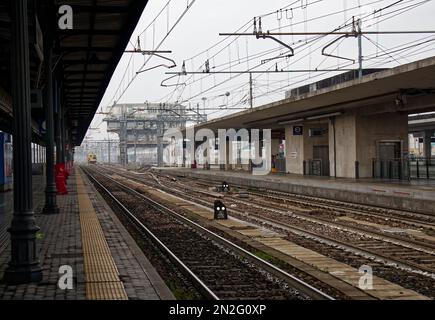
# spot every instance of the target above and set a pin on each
(419, 123)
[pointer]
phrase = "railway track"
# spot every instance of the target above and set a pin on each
(382, 215)
(398, 261)
(378, 225)
(331, 215)
(402, 252)
(218, 268)
(316, 203)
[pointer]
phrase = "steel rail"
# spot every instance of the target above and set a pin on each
(325, 203)
(197, 282)
(326, 239)
(297, 283)
(396, 240)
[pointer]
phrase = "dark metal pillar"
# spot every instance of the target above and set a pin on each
(24, 265)
(50, 188)
(68, 139)
(108, 150)
(135, 147)
(160, 132)
(123, 146)
(63, 134)
(427, 145)
(59, 145)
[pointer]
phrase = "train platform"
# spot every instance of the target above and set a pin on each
(6, 207)
(415, 195)
(85, 253)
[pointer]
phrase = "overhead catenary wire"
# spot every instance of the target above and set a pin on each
(368, 15)
(156, 47)
(314, 39)
(232, 83)
(273, 13)
(234, 40)
(246, 24)
(123, 88)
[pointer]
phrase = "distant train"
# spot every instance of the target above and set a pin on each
(92, 158)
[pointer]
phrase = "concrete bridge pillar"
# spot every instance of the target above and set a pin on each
(294, 150)
(361, 138)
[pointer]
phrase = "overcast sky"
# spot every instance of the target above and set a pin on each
(199, 30)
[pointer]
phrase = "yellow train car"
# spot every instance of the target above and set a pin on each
(92, 158)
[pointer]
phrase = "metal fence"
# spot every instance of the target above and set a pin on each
(404, 168)
(422, 168)
(280, 165)
(316, 167)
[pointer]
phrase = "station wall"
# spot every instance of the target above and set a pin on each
(374, 129)
(345, 144)
(294, 146)
(351, 138)
(299, 148)
(342, 150)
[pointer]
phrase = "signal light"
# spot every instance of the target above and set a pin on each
(220, 210)
(225, 187)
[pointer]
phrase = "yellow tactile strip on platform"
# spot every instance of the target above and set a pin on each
(101, 273)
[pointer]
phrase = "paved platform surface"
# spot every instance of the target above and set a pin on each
(6, 207)
(418, 196)
(86, 235)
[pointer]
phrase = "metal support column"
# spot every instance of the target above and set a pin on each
(427, 140)
(50, 188)
(123, 143)
(160, 131)
(63, 135)
(251, 91)
(24, 265)
(108, 150)
(59, 144)
(135, 147)
(123, 147)
(360, 56)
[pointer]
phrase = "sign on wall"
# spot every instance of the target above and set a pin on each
(297, 130)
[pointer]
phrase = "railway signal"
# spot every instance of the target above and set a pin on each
(225, 187)
(220, 210)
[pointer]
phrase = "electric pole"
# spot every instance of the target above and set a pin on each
(360, 57)
(251, 94)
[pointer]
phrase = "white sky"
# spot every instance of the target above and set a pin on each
(199, 30)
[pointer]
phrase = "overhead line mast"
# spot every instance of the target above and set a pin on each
(356, 32)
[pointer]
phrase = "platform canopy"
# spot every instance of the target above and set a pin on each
(85, 57)
(407, 88)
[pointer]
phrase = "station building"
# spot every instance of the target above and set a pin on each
(349, 127)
